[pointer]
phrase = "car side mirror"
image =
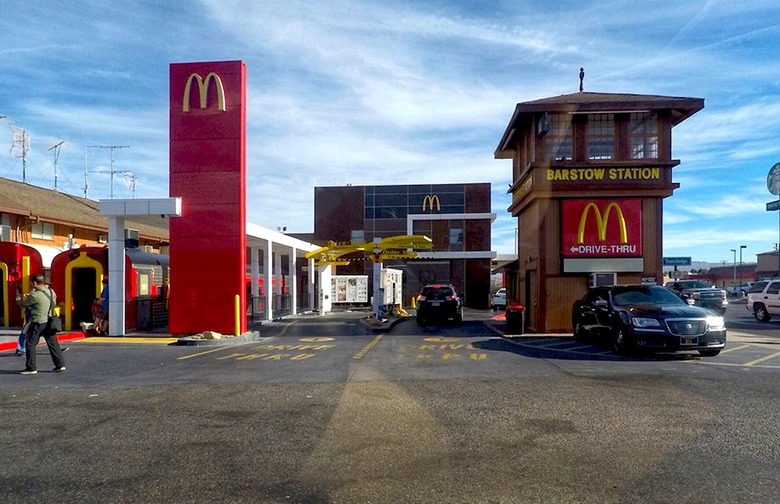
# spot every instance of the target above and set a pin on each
(600, 303)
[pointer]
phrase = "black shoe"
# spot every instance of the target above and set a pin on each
(19, 354)
(59, 369)
(65, 348)
(28, 371)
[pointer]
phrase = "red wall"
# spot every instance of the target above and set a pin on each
(208, 171)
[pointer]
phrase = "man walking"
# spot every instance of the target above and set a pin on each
(40, 301)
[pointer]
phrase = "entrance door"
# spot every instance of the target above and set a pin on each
(84, 295)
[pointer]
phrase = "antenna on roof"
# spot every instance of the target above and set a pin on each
(20, 146)
(56, 152)
(130, 181)
(582, 78)
(111, 170)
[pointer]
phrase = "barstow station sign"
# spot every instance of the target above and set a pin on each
(596, 174)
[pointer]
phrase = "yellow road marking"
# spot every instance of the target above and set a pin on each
(125, 340)
(204, 353)
(762, 359)
(735, 348)
(362, 353)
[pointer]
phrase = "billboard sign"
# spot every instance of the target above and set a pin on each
(601, 228)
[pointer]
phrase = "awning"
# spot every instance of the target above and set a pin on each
(47, 253)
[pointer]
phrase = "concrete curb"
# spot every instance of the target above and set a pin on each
(64, 336)
(385, 326)
(247, 337)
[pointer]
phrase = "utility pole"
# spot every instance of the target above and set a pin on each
(735, 265)
(56, 152)
(111, 169)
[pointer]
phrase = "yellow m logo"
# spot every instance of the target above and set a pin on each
(203, 88)
(429, 201)
(601, 222)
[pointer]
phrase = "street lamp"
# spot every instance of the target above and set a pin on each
(735, 265)
(740, 265)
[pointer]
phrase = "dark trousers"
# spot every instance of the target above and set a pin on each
(33, 337)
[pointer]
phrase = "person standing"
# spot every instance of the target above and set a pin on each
(41, 301)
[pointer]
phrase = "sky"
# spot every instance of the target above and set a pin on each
(367, 92)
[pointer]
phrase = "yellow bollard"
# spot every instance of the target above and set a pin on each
(238, 314)
(414, 303)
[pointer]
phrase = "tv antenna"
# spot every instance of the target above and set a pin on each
(111, 169)
(20, 146)
(56, 151)
(130, 181)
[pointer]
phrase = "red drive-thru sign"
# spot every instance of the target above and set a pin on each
(601, 228)
(208, 172)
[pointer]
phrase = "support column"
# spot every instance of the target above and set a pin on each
(268, 282)
(324, 291)
(278, 278)
(312, 292)
(116, 276)
(254, 259)
(293, 282)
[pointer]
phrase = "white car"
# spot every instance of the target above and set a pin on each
(498, 300)
(764, 300)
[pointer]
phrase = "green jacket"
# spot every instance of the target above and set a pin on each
(39, 304)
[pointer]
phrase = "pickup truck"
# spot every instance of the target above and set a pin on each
(739, 290)
(700, 293)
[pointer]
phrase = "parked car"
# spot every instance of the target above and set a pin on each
(439, 302)
(763, 300)
(498, 299)
(701, 293)
(648, 318)
(739, 290)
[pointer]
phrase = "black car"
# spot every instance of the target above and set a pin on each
(649, 318)
(439, 302)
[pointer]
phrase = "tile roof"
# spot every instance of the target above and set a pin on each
(53, 206)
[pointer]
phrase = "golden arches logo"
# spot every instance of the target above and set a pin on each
(602, 221)
(429, 200)
(203, 88)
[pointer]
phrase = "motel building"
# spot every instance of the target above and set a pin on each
(590, 172)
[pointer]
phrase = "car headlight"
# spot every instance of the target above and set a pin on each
(716, 323)
(645, 322)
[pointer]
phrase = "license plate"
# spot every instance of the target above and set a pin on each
(689, 340)
(435, 303)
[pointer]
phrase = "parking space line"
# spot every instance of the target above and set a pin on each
(733, 349)
(762, 359)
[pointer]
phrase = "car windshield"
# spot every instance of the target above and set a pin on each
(622, 296)
(437, 292)
(695, 284)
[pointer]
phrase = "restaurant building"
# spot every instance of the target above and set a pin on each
(590, 172)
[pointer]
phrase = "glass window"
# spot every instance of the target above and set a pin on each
(773, 288)
(143, 284)
(558, 141)
(644, 135)
(43, 230)
(456, 235)
(601, 136)
(357, 236)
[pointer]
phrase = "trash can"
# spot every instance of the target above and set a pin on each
(515, 318)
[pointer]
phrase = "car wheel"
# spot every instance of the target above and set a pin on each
(577, 332)
(620, 344)
(760, 312)
(709, 353)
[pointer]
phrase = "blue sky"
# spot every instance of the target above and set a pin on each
(374, 92)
